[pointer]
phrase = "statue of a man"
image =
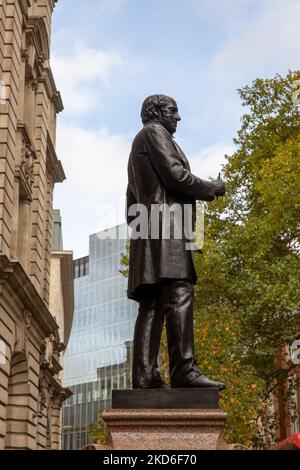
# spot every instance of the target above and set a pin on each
(161, 268)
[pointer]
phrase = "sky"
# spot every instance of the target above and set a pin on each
(107, 56)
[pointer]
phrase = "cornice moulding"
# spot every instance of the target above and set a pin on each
(54, 166)
(53, 94)
(13, 273)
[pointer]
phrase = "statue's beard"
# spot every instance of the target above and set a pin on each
(170, 125)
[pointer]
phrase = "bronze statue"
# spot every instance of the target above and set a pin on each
(161, 268)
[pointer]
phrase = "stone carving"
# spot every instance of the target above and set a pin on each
(48, 351)
(27, 162)
(43, 395)
(34, 84)
(25, 55)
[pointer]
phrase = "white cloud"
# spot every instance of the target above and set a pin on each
(269, 40)
(93, 196)
(261, 38)
(79, 72)
(208, 162)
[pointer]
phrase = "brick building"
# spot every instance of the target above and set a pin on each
(36, 283)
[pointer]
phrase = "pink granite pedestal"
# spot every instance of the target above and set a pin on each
(166, 429)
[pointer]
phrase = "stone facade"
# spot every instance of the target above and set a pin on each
(36, 287)
(285, 403)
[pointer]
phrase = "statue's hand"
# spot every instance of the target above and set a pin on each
(219, 187)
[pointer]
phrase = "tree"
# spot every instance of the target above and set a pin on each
(247, 297)
(98, 432)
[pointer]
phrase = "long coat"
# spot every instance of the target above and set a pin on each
(159, 173)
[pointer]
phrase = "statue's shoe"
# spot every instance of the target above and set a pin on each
(163, 385)
(202, 382)
(155, 384)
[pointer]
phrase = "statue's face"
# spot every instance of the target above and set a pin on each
(170, 116)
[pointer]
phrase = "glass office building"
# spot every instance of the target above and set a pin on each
(98, 357)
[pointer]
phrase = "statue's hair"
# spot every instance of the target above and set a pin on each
(152, 106)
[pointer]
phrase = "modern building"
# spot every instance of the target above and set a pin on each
(98, 357)
(36, 283)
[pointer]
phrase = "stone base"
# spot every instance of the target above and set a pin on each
(166, 429)
(182, 398)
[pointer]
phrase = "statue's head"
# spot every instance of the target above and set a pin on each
(162, 109)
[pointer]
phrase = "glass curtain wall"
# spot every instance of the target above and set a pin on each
(98, 357)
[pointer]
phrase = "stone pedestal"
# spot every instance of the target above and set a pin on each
(158, 429)
(187, 419)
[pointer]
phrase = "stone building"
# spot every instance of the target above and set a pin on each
(36, 284)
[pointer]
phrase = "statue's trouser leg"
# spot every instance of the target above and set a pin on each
(147, 336)
(178, 309)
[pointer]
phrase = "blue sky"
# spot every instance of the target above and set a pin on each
(108, 55)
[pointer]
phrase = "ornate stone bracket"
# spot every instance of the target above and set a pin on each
(25, 56)
(50, 389)
(54, 166)
(34, 84)
(46, 391)
(63, 395)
